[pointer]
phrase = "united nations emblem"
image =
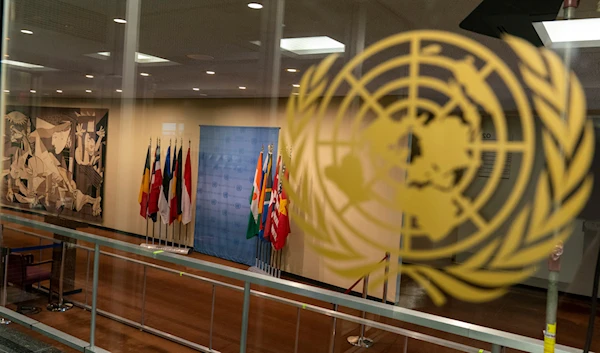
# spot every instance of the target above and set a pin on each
(422, 148)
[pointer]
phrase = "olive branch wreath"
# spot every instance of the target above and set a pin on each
(562, 188)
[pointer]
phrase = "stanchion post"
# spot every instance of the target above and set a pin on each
(245, 313)
(61, 306)
(386, 275)
(144, 298)
(94, 295)
(361, 340)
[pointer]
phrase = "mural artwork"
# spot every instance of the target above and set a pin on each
(54, 160)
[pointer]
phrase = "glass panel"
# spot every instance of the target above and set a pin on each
(429, 163)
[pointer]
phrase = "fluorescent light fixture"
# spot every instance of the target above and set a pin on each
(574, 33)
(89, 76)
(310, 45)
(242, 87)
(291, 70)
(145, 74)
(26, 31)
(119, 20)
(32, 91)
(196, 89)
(210, 72)
(295, 85)
(119, 90)
(255, 5)
(140, 58)
(88, 91)
(59, 91)
(22, 64)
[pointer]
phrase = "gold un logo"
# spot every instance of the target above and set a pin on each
(419, 148)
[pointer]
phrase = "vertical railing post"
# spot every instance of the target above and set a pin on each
(297, 331)
(496, 348)
(6, 253)
(245, 313)
(87, 276)
(144, 298)
(94, 295)
(333, 329)
(212, 317)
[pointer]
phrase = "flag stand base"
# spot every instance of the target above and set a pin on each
(171, 249)
(358, 341)
(257, 270)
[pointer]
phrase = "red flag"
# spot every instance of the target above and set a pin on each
(273, 211)
(283, 220)
(186, 202)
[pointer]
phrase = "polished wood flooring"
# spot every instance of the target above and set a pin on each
(182, 306)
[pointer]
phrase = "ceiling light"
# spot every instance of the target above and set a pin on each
(210, 72)
(6, 55)
(89, 76)
(88, 91)
(140, 58)
(573, 33)
(145, 74)
(59, 91)
(296, 85)
(242, 87)
(310, 45)
(26, 31)
(291, 70)
(119, 90)
(32, 91)
(6, 91)
(255, 5)
(196, 89)
(119, 20)
(22, 64)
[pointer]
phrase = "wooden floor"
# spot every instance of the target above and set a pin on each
(182, 307)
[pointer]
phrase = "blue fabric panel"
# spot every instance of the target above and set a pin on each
(226, 164)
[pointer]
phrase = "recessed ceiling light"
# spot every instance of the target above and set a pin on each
(255, 5)
(6, 91)
(196, 89)
(89, 76)
(120, 20)
(310, 45)
(296, 93)
(119, 90)
(210, 72)
(32, 91)
(6, 56)
(574, 33)
(291, 70)
(242, 87)
(295, 85)
(59, 91)
(88, 91)
(202, 94)
(22, 64)
(145, 74)
(26, 31)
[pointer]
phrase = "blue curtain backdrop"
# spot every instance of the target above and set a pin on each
(226, 165)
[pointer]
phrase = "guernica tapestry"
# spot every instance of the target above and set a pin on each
(54, 160)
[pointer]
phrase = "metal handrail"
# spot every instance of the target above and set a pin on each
(299, 305)
(495, 337)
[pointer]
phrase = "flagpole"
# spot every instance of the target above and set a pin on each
(179, 237)
(256, 254)
(159, 229)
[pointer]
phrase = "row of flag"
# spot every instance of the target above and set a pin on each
(269, 218)
(167, 192)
